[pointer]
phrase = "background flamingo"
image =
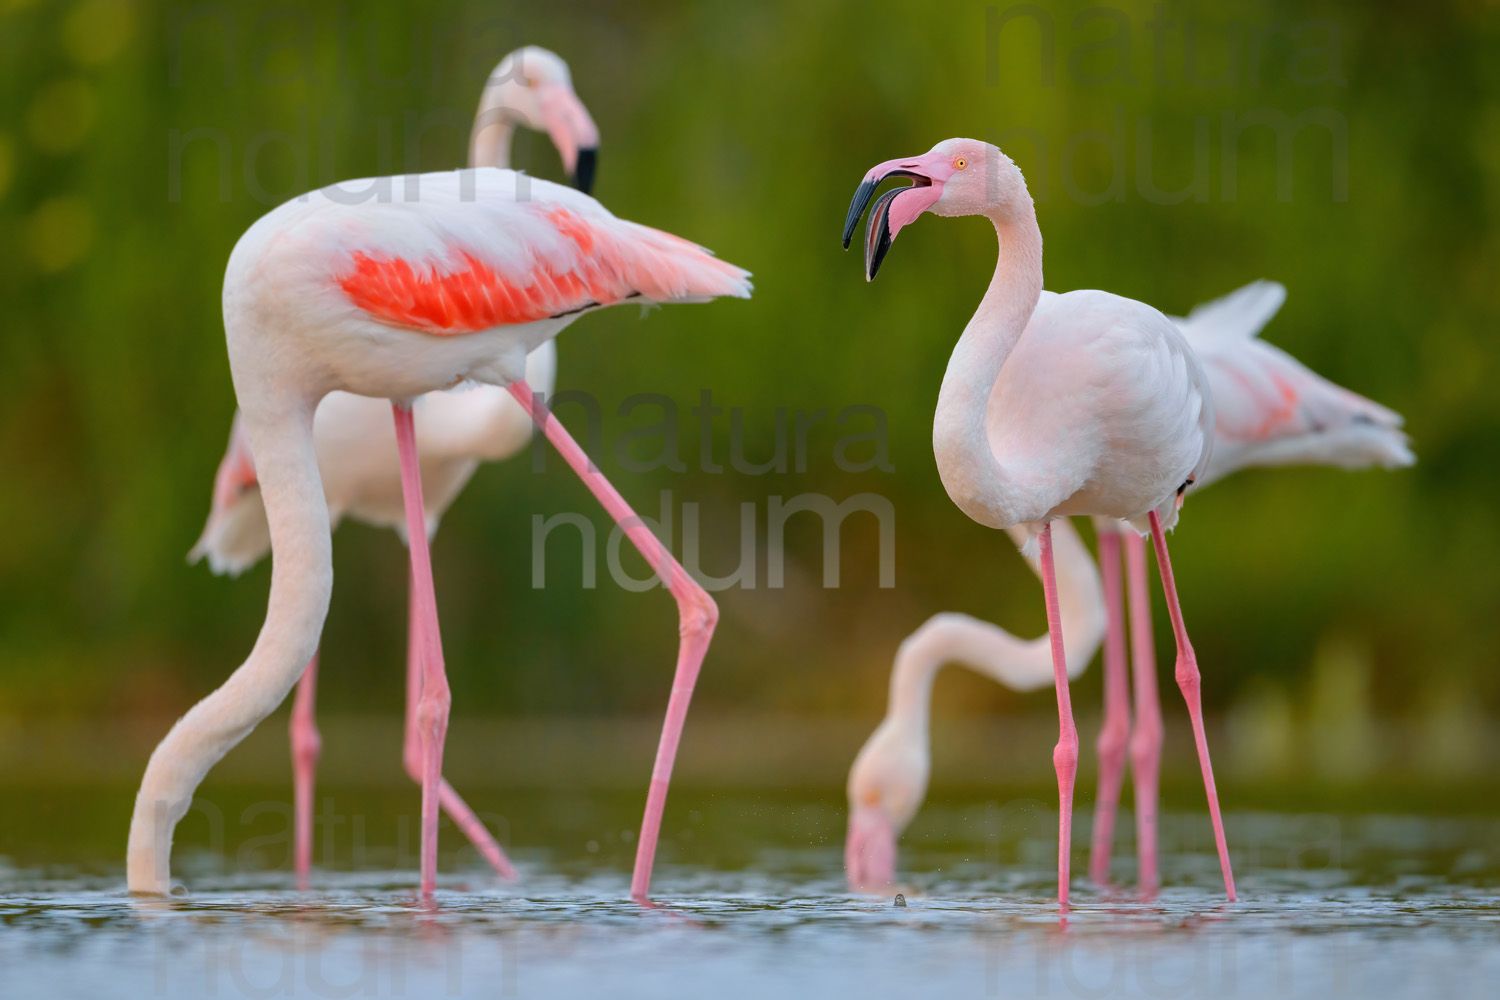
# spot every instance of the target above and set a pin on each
(1086, 403)
(356, 443)
(1269, 410)
(444, 278)
(889, 778)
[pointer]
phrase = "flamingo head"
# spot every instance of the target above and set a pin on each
(533, 87)
(955, 177)
(886, 787)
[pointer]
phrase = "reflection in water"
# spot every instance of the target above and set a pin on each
(1406, 908)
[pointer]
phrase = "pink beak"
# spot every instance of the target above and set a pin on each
(870, 850)
(572, 131)
(898, 207)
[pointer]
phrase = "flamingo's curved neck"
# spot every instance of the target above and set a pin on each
(490, 140)
(966, 463)
(991, 651)
(918, 661)
(301, 583)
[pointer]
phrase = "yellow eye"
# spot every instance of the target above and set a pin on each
(960, 163)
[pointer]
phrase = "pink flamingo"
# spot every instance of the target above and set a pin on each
(394, 287)
(1269, 410)
(1089, 404)
(356, 443)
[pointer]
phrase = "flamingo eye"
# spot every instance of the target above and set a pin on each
(960, 163)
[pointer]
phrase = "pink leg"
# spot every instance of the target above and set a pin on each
(306, 745)
(432, 707)
(1115, 733)
(411, 747)
(1065, 755)
(411, 756)
(1145, 742)
(697, 616)
(1190, 682)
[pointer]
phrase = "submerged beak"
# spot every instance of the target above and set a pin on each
(572, 131)
(898, 206)
(870, 850)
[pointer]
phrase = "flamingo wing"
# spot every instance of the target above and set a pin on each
(1273, 410)
(1242, 313)
(475, 250)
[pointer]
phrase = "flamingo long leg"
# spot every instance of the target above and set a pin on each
(1145, 742)
(432, 706)
(1190, 681)
(411, 745)
(697, 613)
(307, 744)
(1065, 754)
(1114, 735)
(411, 755)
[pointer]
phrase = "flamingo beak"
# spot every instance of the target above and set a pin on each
(870, 850)
(583, 172)
(572, 131)
(896, 208)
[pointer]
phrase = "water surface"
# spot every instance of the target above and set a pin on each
(1386, 907)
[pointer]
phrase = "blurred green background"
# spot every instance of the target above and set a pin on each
(1346, 623)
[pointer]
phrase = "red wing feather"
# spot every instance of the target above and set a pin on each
(601, 264)
(474, 296)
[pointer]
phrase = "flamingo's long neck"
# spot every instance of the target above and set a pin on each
(918, 660)
(490, 140)
(301, 582)
(966, 463)
(988, 649)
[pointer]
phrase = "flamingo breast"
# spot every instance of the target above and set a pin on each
(1101, 408)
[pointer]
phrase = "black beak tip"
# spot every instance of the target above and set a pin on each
(862, 196)
(878, 232)
(583, 173)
